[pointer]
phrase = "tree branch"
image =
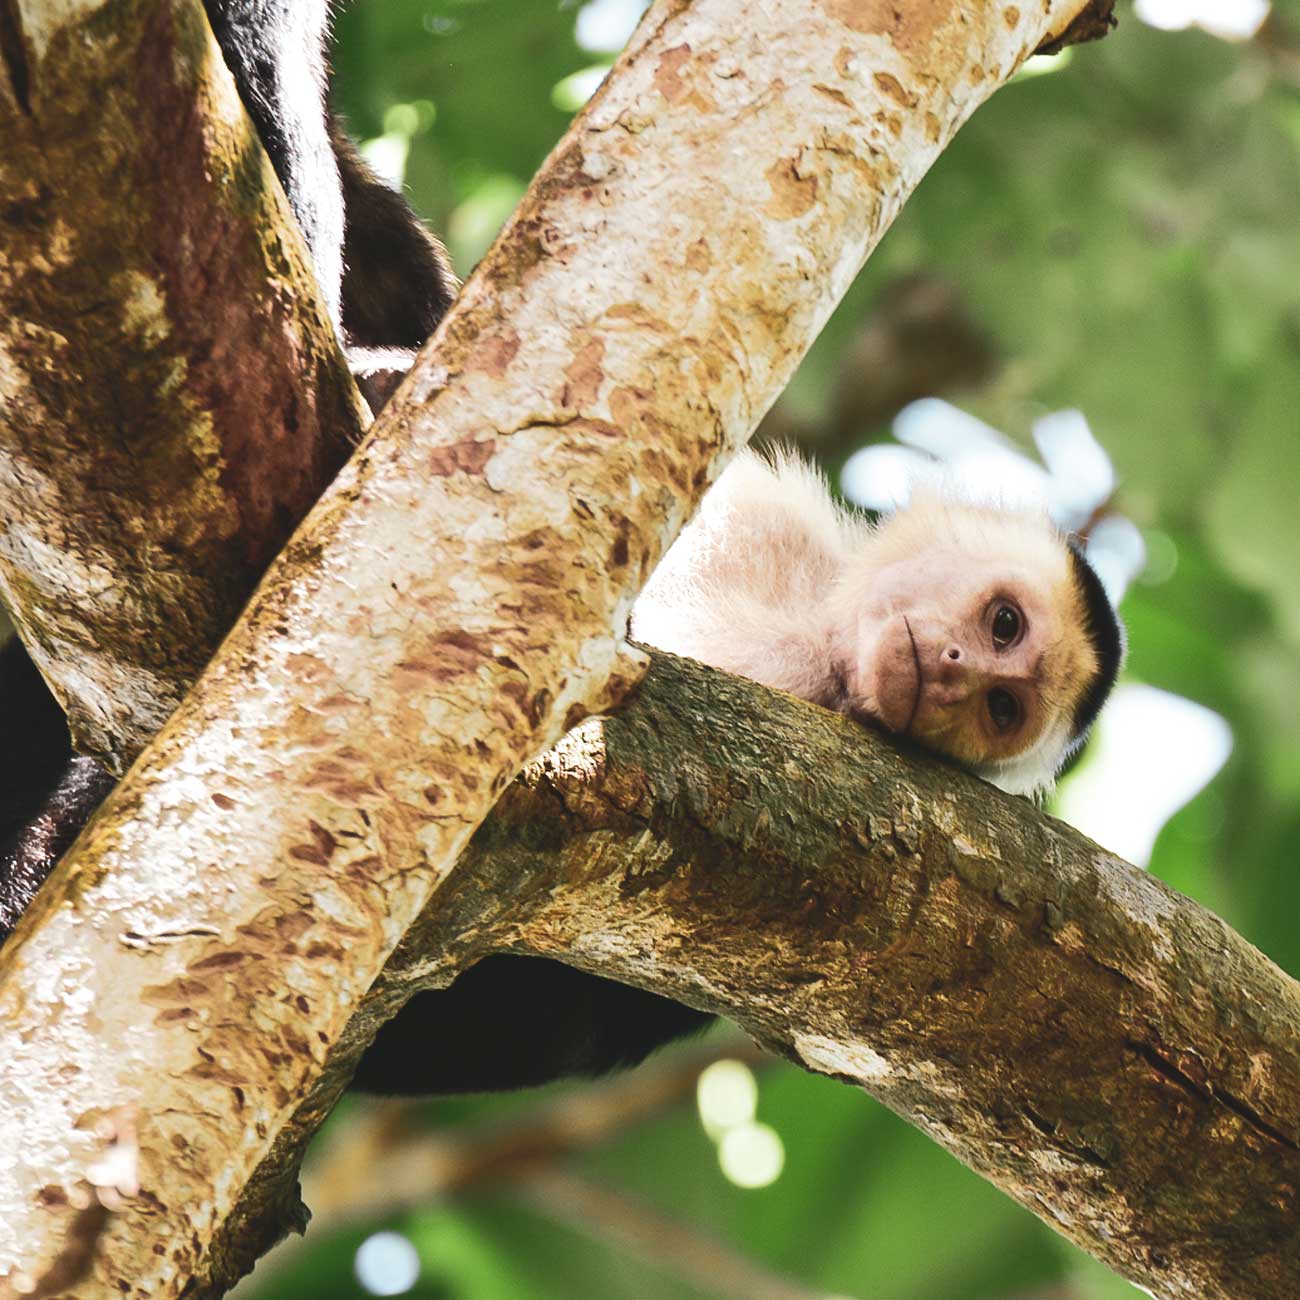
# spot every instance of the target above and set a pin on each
(1108, 1052)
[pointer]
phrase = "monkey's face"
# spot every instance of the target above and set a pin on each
(978, 656)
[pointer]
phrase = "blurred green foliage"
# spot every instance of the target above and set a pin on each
(1125, 229)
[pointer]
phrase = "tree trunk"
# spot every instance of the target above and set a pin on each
(174, 399)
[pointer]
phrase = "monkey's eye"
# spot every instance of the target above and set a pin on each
(1003, 708)
(1006, 626)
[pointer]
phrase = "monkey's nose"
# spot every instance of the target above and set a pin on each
(952, 669)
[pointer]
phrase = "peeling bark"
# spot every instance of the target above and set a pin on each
(173, 396)
(451, 607)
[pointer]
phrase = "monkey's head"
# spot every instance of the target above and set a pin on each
(983, 634)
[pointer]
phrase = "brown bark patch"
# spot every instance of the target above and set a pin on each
(792, 194)
(493, 354)
(668, 72)
(891, 86)
(307, 667)
(636, 314)
(219, 961)
(446, 658)
(320, 851)
(892, 123)
(626, 405)
(345, 783)
(697, 257)
(584, 376)
(836, 96)
(909, 26)
(468, 457)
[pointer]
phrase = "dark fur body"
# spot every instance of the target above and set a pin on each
(509, 1022)
(385, 279)
(512, 1022)
(46, 795)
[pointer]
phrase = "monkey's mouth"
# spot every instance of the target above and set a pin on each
(920, 682)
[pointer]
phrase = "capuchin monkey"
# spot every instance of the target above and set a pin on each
(982, 634)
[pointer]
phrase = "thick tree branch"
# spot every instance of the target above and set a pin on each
(173, 396)
(1105, 1050)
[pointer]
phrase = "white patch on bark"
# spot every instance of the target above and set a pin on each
(856, 1060)
(44, 20)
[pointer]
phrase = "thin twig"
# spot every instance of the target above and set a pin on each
(630, 1224)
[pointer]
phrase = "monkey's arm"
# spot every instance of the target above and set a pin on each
(744, 586)
(397, 283)
(46, 796)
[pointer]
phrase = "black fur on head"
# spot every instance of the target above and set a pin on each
(1104, 629)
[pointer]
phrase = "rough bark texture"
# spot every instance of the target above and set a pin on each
(1103, 1049)
(1100, 1047)
(452, 605)
(173, 397)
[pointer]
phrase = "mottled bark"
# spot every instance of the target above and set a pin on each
(173, 396)
(453, 604)
(1103, 1049)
